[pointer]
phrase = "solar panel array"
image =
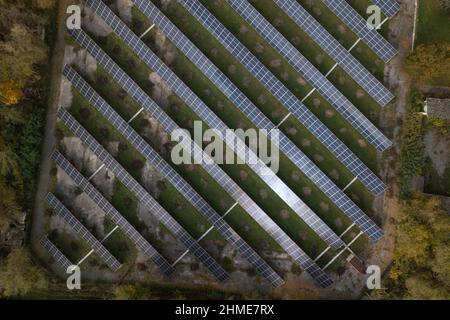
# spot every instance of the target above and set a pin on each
(144, 197)
(307, 118)
(389, 7)
(173, 177)
(334, 49)
(57, 255)
(76, 225)
(141, 243)
(358, 25)
(237, 97)
(295, 58)
(214, 170)
(202, 110)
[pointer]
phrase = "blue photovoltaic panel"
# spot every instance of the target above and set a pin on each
(244, 56)
(57, 255)
(299, 256)
(144, 197)
(358, 25)
(141, 243)
(202, 110)
(389, 7)
(172, 176)
(81, 230)
(295, 58)
(333, 48)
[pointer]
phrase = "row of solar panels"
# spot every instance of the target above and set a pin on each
(203, 111)
(60, 259)
(358, 25)
(214, 170)
(294, 154)
(335, 50)
(173, 177)
(81, 230)
(389, 7)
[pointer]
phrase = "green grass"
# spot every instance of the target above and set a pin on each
(71, 246)
(120, 245)
(433, 23)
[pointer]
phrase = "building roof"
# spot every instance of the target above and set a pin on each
(438, 108)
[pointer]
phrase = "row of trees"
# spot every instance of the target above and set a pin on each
(23, 57)
(23, 61)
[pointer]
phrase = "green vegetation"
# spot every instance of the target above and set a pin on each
(412, 158)
(20, 274)
(432, 22)
(429, 64)
(421, 262)
(23, 83)
(412, 145)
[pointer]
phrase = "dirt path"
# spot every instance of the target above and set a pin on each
(38, 219)
(401, 33)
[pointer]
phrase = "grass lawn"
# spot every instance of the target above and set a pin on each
(433, 23)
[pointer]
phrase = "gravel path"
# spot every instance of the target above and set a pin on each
(38, 218)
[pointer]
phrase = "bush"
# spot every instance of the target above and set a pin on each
(29, 145)
(412, 151)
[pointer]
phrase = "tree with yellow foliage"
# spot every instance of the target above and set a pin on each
(10, 93)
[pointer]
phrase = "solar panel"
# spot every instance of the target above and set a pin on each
(173, 177)
(238, 98)
(358, 25)
(141, 243)
(299, 256)
(307, 118)
(57, 255)
(389, 7)
(144, 197)
(202, 110)
(333, 48)
(76, 225)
